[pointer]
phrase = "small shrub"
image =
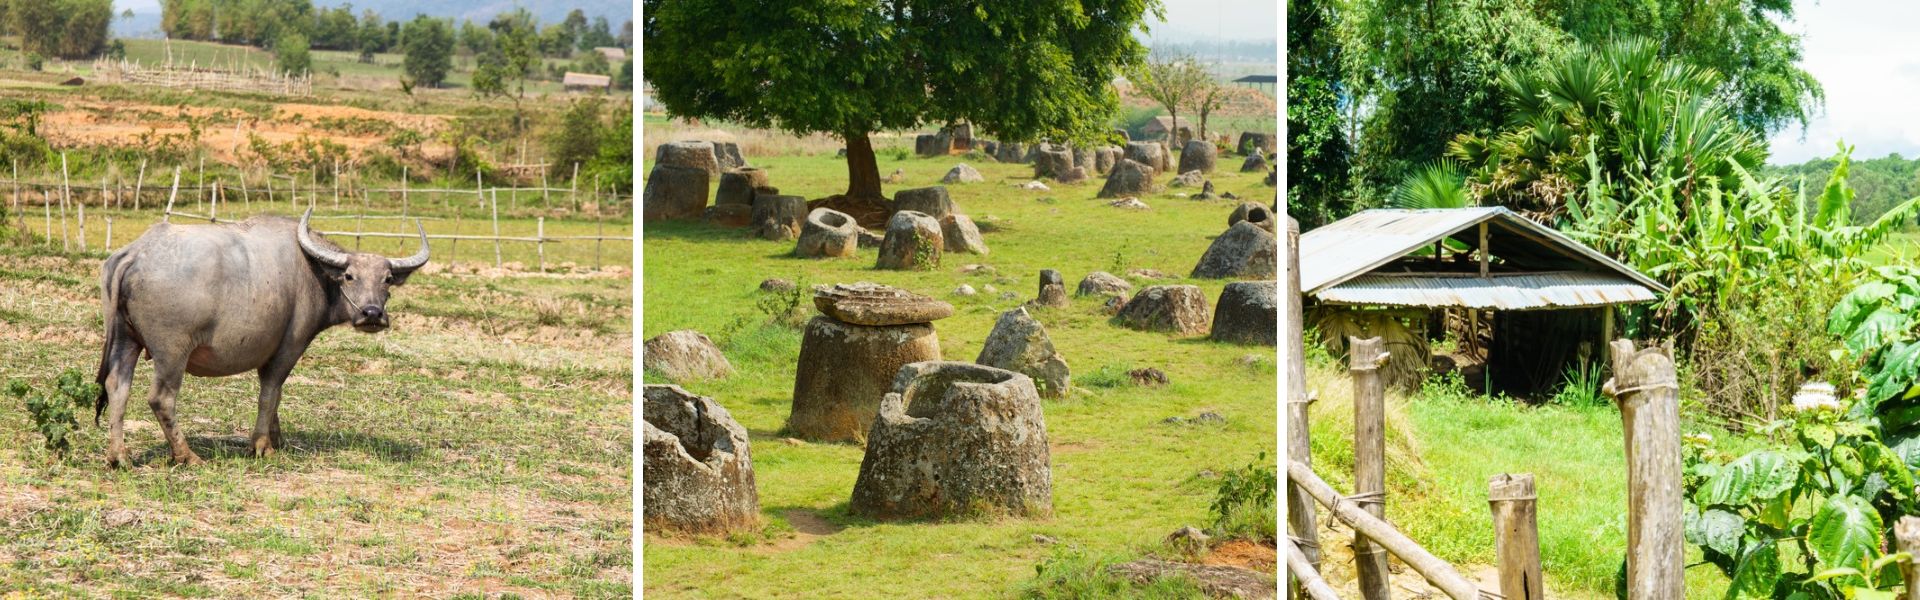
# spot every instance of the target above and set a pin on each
(895, 153)
(54, 412)
(1243, 504)
(1581, 385)
(784, 307)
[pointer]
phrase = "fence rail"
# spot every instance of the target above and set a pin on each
(74, 211)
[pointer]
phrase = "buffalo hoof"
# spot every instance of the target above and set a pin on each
(117, 459)
(263, 446)
(188, 458)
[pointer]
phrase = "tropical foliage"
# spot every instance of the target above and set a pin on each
(1318, 151)
(1440, 184)
(1641, 115)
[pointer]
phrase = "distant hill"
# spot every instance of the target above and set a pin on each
(616, 11)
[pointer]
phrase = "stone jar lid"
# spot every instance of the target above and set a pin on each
(874, 304)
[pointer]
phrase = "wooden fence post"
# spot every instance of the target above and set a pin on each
(573, 192)
(1369, 458)
(1311, 584)
(1648, 391)
(109, 240)
(82, 218)
(1300, 517)
(174, 192)
(540, 243)
(139, 183)
(1907, 533)
(1516, 536)
(496, 227)
(65, 235)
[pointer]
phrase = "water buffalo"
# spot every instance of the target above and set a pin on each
(219, 300)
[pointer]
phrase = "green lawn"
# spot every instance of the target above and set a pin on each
(1122, 478)
(480, 447)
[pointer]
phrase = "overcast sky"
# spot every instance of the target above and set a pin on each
(1865, 53)
(1248, 20)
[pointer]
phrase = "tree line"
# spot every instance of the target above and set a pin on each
(58, 28)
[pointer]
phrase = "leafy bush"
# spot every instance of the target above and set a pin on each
(575, 139)
(1243, 504)
(54, 412)
(293, 55)
(1826, 500)
(1748, 268)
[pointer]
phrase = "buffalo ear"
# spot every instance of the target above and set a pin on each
(330, 272)
(399, 277)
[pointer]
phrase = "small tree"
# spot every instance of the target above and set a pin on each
(1211, 98)
(428, 43)
(1173, 80)
(292, 53)
(577, 137)
(1019, 70)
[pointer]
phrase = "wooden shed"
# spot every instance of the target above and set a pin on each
(1524, 302)
(586, 82)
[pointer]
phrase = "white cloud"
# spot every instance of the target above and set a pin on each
(1865, 55)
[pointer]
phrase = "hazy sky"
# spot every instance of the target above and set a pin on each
(1865, 53)
(1222, 19)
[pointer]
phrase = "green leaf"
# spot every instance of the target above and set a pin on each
(1721, 530)
(1878, 327)
(1759, 475)
(1832, 573)
(1757, 572)
(1844, 531)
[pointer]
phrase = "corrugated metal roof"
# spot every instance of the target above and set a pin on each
(1499, 291)
(1358, 244)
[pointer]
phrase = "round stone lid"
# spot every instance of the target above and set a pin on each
(866, 303)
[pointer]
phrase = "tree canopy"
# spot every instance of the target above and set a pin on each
(428, 43)
(1018, 70)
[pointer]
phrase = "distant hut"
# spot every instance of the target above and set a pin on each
(1524, 302)
(586, 82)
(613, 54)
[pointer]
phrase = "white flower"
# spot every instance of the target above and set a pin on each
(1815, 396)
(1701, 439)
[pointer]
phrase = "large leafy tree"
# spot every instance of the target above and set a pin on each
(1175, 81)
(1017, 69)
(1318, 152)
(428, 43)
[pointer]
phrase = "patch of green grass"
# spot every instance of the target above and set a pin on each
(1077, 575)
(1121, 481)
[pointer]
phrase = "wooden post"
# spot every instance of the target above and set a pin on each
(200, 181)
(1300, 519)
(213, 204)
(1648, 391)
(336, 184)
(109, 241)
(17, 217)
(46, 207)
(496, 227)
(246, 197)
(82, 226)
(1907, 533)
(540, 234)
(313, 192)
(546, 199)
(599, 236)
(1516, 536)
(573, 192)
(360, 220)
(139, 183)
(453, 252)
(405, 203)
(1485, 255)
(1369, 458)
(167, 217)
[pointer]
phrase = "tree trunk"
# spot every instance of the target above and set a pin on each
(863, 172)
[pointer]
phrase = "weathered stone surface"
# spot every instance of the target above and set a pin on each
(1083, 157)
(1129, 203)
(776, 284)
(1019, 343)
(1198, 155)
(674, 193)
(1150, 154)
(697, 465)
(728, 155)
(964, 290)
(844, 371)
(1129, 178)
(870, 239)
(956, 438)
(1255, 163)
(1104, 159)
(684, 355)
(1010, 152)
(991, 149)
(962, 235)
(1188, 179)
(1246, 314)
(729, 215)
(897, 176)
(690, 154)
(1052, 294)
(1073, 175)
(1253, 213)
(914, 241)
(1217, 581)
(1147, 377)
(736, 186)
(778, 218)
(1206, 192)
(1050, 277)
(1178, 309)
(933, 201)
(1245, 250)
(1034, 186)
(962, 173)
(1052, 160)
(1253, 142)
(873, 304)
(1102, 283)
(827, 233)
(928, 144)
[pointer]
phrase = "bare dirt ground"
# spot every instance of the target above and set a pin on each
(228, 133)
